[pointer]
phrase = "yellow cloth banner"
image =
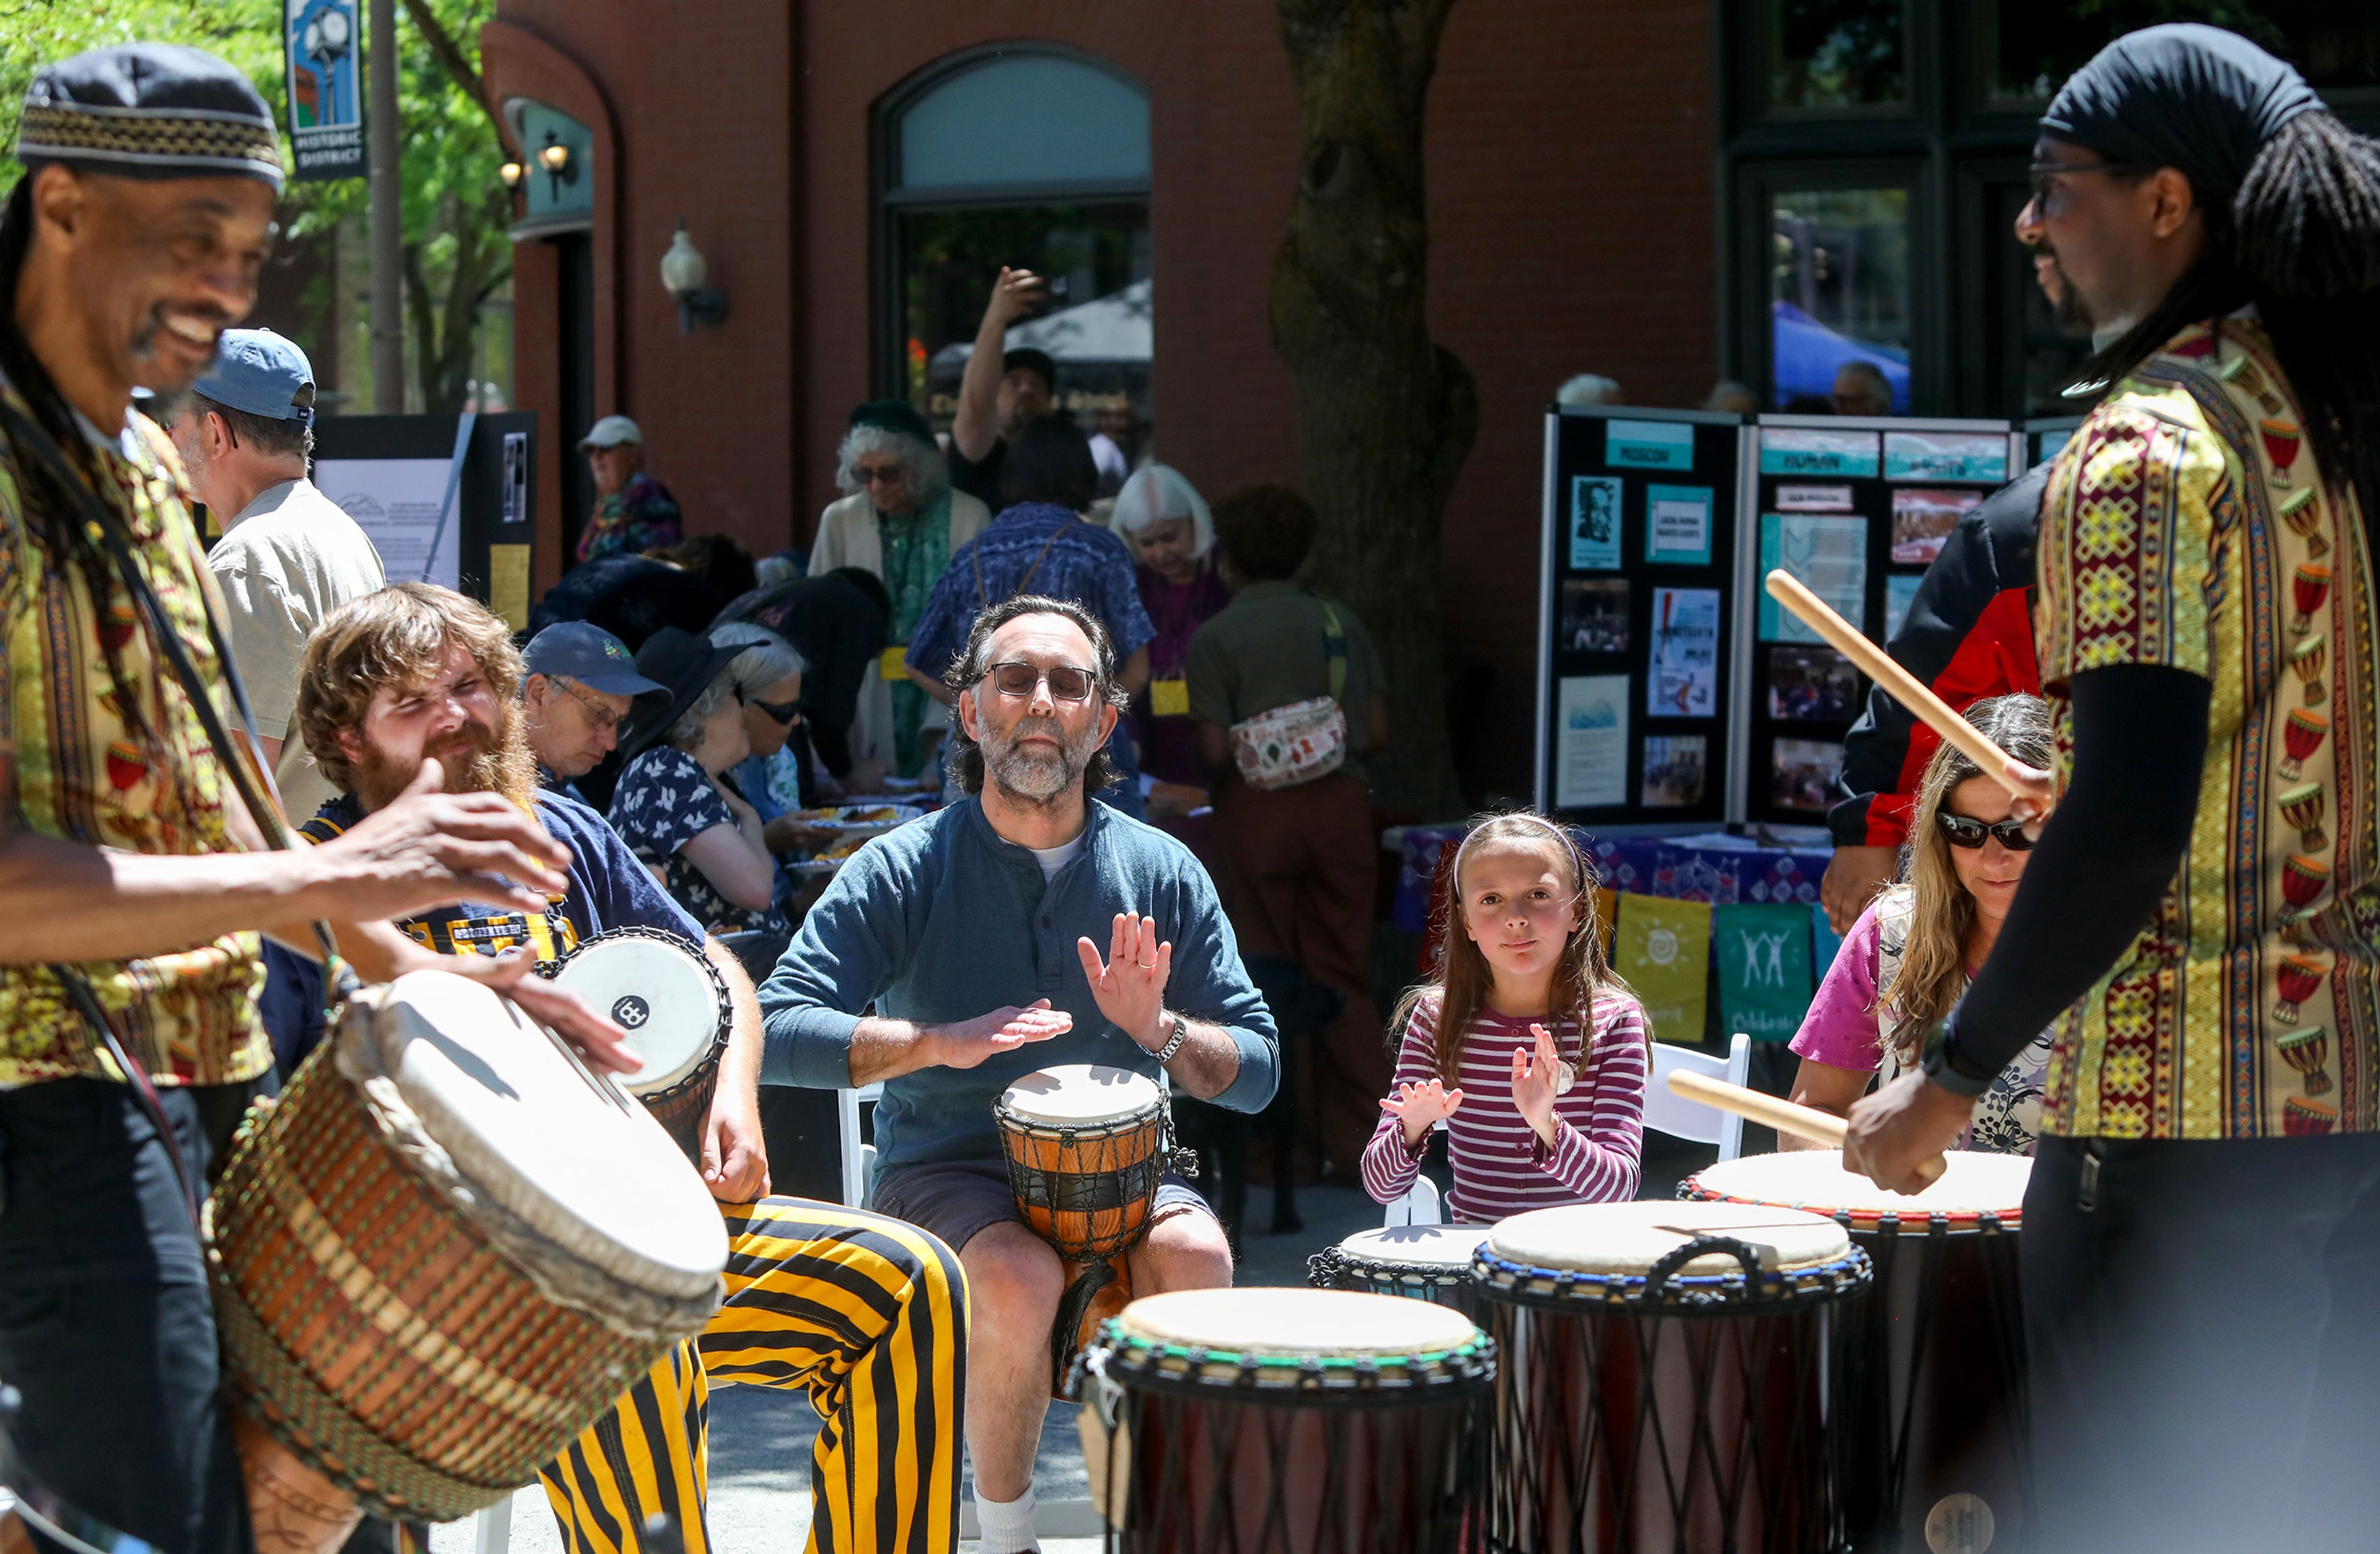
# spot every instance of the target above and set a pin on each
(1664, 951)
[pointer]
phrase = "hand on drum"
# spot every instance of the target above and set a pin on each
(1896, 1131)
(970, 1043)
(431, 848)
(1421, 1107)
(1130, 984)
(567, 1015)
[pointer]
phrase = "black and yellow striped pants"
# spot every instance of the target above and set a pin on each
(866, 1313)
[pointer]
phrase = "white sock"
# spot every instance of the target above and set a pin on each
(1006, 1525)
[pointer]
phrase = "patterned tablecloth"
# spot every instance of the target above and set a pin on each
(1715, 867)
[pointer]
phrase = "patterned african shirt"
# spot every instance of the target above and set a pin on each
(632, 520)
(2186, 526)
(87, 768)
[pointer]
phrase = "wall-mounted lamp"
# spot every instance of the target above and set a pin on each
(512, 172)
(684, 271)
(560, 166)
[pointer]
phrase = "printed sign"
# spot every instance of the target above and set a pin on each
(1764, 968)
(1595, 523)
(323, 47)
(1678, 525)
(1946, 455)
(1648, 444)
(1829, 557)
(1591, 760)
(1810, 450)
(1813, 499)
(1682, 680)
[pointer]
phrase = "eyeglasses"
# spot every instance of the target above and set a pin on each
(1065, 682)
(786, 712)
(2043, 173)
(1961, 832)
(603, 717)
(876, 475)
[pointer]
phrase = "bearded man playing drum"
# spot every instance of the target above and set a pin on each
(977, 935)
(133, 884)
(867, 1315)
(2201, 922)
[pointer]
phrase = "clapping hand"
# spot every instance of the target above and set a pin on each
(971, 1042)
(1538, 1078)
(1130, 984)
(1421, 1107)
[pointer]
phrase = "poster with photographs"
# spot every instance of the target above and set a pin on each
(1923, 518)
(1683, 678)
(1811, 685)
(1801, 774)
(1675, 768)
(1594, 616)
(1595, 523)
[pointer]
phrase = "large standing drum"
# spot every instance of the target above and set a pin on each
(448, 1248)
(1671, 1380)
(1941, 1460)
(1421, 1262)
(1283, 1420)
(665, 993)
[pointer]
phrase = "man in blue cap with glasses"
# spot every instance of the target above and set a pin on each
(288, 555)
(581, 683)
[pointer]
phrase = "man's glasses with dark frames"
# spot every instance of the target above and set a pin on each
(1066, 683)
(604, 718)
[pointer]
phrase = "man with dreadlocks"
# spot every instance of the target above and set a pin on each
(2201, 922)
(132, 884)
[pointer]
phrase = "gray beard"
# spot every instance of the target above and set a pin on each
(1030, 777)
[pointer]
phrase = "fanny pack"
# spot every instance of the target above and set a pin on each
(1292, 744)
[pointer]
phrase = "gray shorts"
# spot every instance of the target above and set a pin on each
(954, 1199)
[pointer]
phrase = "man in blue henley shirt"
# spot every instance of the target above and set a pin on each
(977, 936)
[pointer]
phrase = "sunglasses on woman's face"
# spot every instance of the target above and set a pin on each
(786, 712)
(1960, 831)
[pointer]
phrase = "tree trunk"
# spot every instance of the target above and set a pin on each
(1385, 416)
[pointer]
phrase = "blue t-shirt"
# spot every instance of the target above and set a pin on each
(609, 889)
(664, 801)
(1034, 548)
(941, 920)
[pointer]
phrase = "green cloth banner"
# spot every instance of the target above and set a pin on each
(1764, 969)
(1664, 951)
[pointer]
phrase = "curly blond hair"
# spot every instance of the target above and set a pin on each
(394, 637)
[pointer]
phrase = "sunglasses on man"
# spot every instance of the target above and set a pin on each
(1961, 832)
(1066, 683)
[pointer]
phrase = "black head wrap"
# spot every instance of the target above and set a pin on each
(2183, 95)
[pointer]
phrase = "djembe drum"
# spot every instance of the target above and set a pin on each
(1087, 1145)
(665, 993)
(1938, 1371)
(447, 1249)
(1422, 1262)
(1672, 1374)
(1284, 1421)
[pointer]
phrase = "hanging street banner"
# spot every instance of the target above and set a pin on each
(322, 41)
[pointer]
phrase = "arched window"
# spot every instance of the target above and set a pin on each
(1018, 155)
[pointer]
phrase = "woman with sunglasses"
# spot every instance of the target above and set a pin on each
(1908, 958)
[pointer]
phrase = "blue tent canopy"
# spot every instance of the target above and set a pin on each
(1805, 355)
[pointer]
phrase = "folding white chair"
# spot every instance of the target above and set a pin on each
(1418, 1207)
(1681, 1118)
(858, 1159)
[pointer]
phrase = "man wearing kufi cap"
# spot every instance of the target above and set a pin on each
(2200, 925)
(288, 555)
(134, 880)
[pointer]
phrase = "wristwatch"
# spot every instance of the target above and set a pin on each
(1180, 1035)
(1941, 1067)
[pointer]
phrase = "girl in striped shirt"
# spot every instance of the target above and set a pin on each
(1527, 1045)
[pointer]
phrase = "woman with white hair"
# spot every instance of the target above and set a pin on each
(1164, 520)
(900, 522)
(768, 679)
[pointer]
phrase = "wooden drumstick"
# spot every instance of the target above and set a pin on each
(1803, 1121)
(1901, 684)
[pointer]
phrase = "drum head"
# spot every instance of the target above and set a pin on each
(591, 1171)
(1973, 1184)
(1624, 1240)
(1289, 1323)
(661, 991)
(1079, 1095)
(1430, 1246)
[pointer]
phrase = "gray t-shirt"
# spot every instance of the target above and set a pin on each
(289, 559)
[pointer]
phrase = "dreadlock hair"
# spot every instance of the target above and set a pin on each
(2301, 240)
(53, 514)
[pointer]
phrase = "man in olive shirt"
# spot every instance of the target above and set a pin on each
(1299, 862)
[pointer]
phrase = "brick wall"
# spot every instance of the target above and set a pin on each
(1570, 166)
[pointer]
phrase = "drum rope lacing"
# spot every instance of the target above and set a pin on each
(1686, 1294)
(1308, 1377)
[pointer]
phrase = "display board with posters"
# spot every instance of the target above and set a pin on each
(445, 499)
(1635, 629)
(1856, 508)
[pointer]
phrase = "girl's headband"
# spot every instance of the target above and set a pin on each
(1560, 834)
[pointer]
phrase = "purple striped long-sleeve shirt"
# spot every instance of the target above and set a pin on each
(1500, 1166)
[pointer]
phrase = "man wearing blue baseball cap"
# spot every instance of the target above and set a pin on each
(288, 555)
(581, 683)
